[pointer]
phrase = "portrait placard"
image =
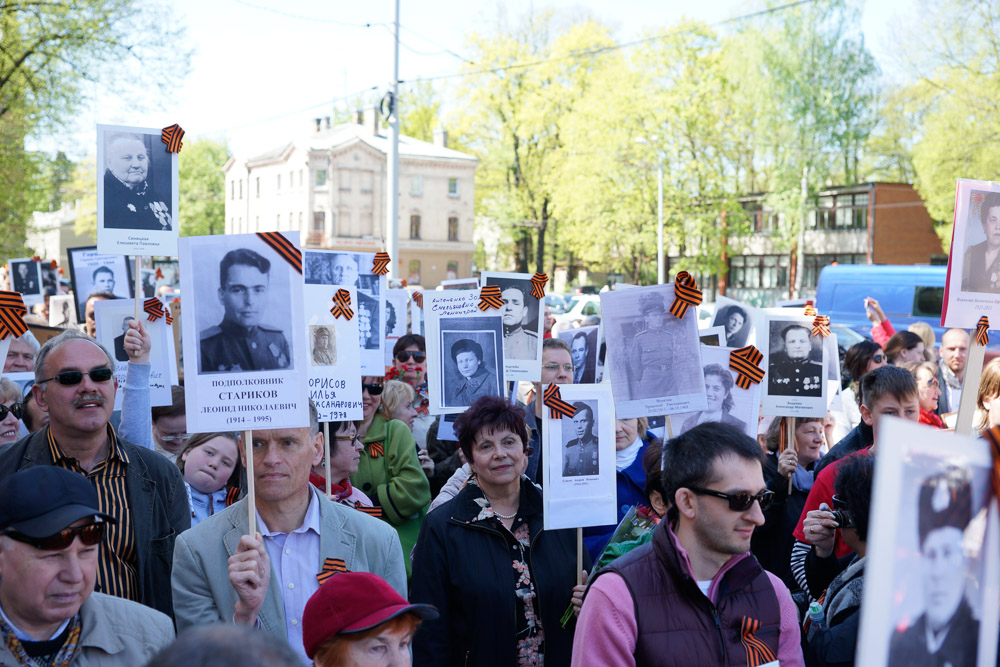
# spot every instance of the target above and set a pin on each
(137, 192)
(930, 586)
(397, 303)
(147, 282)
(464, 350)
(715, 336)
(245, 357)
(26, 278)
(584, 344)
(579, 476)
(727, 403)
(91, 272)
(737, 320)
(972, 288)
(795, 364)
(653, 357)
(330, 267)
(62, 311)
(334, 362)
(171, 275)
(112, 318)
(523, 318)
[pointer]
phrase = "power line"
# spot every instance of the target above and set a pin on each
(302, 17)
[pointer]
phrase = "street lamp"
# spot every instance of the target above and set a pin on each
(660, 268)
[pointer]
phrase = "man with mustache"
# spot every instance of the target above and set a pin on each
(142, 491)
(129, 201)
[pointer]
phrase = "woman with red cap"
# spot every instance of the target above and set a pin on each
(356, 619)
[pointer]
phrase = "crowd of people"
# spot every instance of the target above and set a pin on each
(126, 540)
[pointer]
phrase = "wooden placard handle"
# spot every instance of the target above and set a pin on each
(579, 556)
(326, 453)
(970, 386)
(789, 442)
(138, 286)
(251, 495)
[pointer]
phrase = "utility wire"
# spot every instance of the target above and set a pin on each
(301, 17)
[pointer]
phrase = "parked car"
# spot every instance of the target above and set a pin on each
(580, 307)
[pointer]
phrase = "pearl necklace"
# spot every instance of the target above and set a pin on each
(504, 516)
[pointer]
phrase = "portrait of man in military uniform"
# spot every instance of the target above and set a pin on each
(134, 197)
(324, 346)
(471, 378)
(791, 371)
(519, 341)
(580, 451)
(120, 353)
(26, 278)
(654, 351)
(241, 341)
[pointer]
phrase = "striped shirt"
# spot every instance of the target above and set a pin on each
(117, 571)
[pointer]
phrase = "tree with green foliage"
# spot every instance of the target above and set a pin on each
(202, 187)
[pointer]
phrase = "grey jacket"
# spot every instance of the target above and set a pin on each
(200, 578)
(115, 632)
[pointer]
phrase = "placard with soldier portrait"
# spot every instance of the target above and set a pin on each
(584, 344)
(795, 359)
(137, 192)
(90, 272)
(26, 278)
(726, 402)
(931, 577)
(334, 362)
(62, 312)
(112, 318)
(737, 320)
(653, 357)
(579, 457)
(523, 319)
(972, 288)
(245, 352)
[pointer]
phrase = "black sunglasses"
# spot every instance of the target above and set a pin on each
(14, 409)
(76, 377)
(738, 502)
(90, 535)
(405, 355)
(372, 389)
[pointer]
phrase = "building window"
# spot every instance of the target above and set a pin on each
(345, 179)
(840, 212)
(301, 181)
(758, 271)
(761, 219)
(300, 219)
(414, 226)
(241, 188)
(291, 219)
(321, 177)
(452, 187)
(291, 179)
(277, 185)
(416, 185)
(813, 265)
(452, 229)
(452, 270)
(414, 277)
(257, 186)
(319, 222)
(277, 222)
(232, 189)
(256, 223)
(367, 178)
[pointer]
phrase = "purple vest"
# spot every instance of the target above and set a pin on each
(678, 625)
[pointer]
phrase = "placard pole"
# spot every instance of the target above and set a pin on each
(579, 556)
(251, 496)
(326, 460)
(789, 443)
(138, 286)
(669, 427)
(970, 386)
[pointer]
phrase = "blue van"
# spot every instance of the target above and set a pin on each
(907, 294)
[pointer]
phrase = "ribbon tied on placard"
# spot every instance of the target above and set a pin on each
(810, 310)
(53, 264)
(489, 297)
(418, 298)
(159, 273)
(746, 362)
(12, 312)
(154, 308)
(821, 326)
(558, 408)
(342, 305)
(380, 266)
(281, 245)
(171, 136)
(982, 331)
(331, 566)
(538, 282)
(170, 315)
(686, 294)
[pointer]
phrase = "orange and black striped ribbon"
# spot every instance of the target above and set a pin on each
(982, 331)
(558, 408)
(281, 245)
(36, 258)
(746, 362)
(159, 273)
(810, 310)
(331, 566)
(686, 294)
(370, 511)
(53, 264)
(172, 136)
(821, 326)
(232, 495)
(380, 266)
(376, 449)
(12, 312)
(169, 315)
(538, 282)
(758, 653)
(418, 298)
(154, 308)
(342, 305)
(489, 297)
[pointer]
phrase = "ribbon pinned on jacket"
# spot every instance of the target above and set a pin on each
(281, 245)
(558, 408)
(746, 362)
(758, 653)
(489, 297)
(331, 566)
(154, 308)
(538, 282)
(686, 294)
(821, 326)
(12, 312)
(342, 305)
(982, 331)
(172, 136)
(380, 266)
(376, 449)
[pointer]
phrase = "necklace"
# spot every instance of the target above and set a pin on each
(504, 516)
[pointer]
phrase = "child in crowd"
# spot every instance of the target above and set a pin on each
(209, 463)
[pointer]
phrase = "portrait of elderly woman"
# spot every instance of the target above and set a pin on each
(981, 266)
(719, 385)
(473, 379)
(498, 580)
(324, 345)
(135, 196)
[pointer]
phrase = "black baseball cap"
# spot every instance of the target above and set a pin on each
(43, 500)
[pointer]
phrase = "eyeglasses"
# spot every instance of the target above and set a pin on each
(90, 535)
(14, 409)
(76, 377)
(878, 358)
(180, 437)
(372, 389)
(932, 384)
(738, 502)
(552, 368)
(405, 355)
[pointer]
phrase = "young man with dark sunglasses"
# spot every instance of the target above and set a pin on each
(51, 529)
(143, 491)
(695, 595)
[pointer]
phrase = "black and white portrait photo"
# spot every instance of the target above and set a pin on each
(727, 403)
(795, 360)
(522, 325)
(119, 342)
(580, 452)
(61, 311)
(714, 336)
(334, 370)
(973, 282)
(26, 278)
(91, 272)
(735, 318)
(470, 369)
(583, 350)
(981, 261)
(323, 345)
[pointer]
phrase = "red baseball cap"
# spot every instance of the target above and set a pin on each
(352, 602)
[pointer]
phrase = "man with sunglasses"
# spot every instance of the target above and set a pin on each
(144, 492)
(695, 595)
(51, 526)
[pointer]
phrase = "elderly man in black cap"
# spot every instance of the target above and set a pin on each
(946, 633)
(50, 528)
